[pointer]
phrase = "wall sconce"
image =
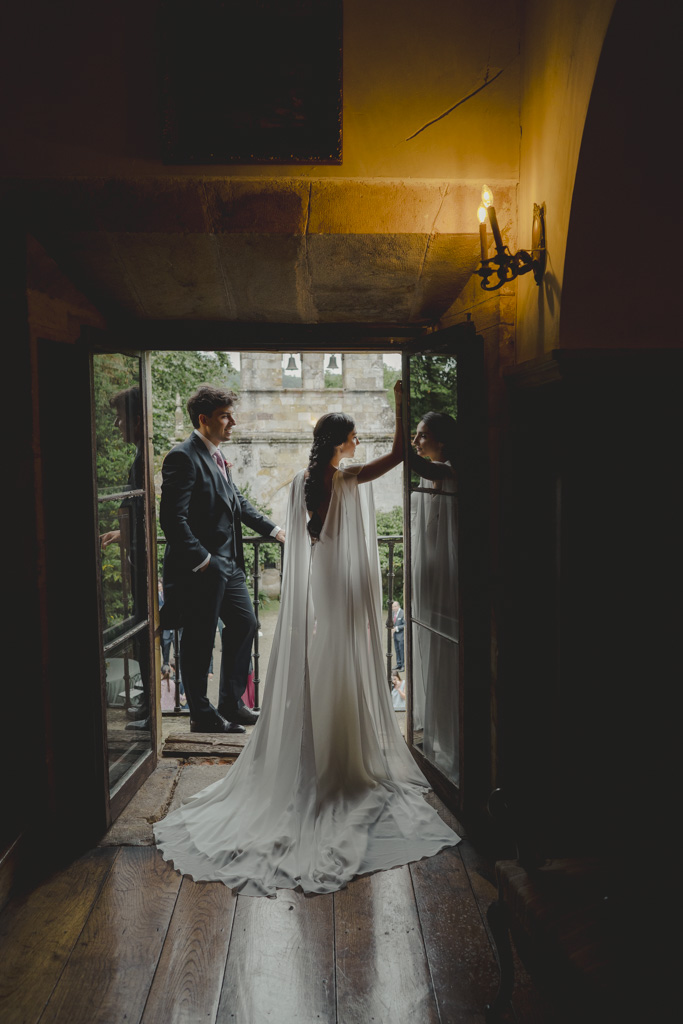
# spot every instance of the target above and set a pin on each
(506, 265)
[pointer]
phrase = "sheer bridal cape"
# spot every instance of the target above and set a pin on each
(326, 788)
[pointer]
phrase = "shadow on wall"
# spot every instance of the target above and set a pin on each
(615, 283)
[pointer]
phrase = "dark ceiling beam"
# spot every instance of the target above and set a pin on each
(184, 335)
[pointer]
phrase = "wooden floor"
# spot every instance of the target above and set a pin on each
(119, 936)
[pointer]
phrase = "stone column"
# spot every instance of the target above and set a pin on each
(313, 371)
(247, 370)
(179, 421)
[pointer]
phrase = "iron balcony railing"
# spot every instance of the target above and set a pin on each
(390, 541)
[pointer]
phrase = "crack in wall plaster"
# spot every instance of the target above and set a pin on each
(308, 211)
(302, 272)
(488, 81)
(416, 294)
(229, 298)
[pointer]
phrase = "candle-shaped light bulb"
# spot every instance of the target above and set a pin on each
(483, 240)
(487, 203)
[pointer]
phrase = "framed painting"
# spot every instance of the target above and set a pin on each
(256, 81)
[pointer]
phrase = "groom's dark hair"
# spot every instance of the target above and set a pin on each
(207, 398)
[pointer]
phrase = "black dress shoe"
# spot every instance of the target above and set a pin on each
(137, 712)
(215, 724)
(234, 727)
(243, 715)
(246, 716)
(142, 725)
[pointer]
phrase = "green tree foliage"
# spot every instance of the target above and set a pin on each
(390, 524)
(433, 382)
(114, 457)
(112, 373)
(180, 373)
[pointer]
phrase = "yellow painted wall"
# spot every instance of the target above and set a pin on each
(84, 87)
(561, 46)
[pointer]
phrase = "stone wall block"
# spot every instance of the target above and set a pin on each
(274, 435)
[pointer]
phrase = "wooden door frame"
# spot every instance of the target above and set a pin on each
(147, 337)
(474, 649)
(97, 344)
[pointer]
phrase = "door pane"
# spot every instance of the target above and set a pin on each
(127, 678)
(435, 606)
(436, 699)
(121, 510)
(123, 563)
(120, 491)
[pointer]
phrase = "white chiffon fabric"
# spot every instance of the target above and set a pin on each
(326, 788)
(436, 626)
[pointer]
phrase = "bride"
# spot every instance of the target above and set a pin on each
(326, 788)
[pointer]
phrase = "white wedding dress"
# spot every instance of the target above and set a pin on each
(326, 788)
(436, 624)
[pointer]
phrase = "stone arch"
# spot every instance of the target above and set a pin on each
(615, 289)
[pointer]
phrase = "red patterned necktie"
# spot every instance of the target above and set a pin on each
(220, 462)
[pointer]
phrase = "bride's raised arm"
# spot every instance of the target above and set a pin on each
(429, 470)
(378, 467)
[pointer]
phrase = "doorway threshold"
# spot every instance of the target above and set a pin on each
(205, 744)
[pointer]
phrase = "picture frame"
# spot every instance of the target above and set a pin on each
(259, 81)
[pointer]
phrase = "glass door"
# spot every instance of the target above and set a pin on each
(446, 540)
(123, 528)
(435, 597)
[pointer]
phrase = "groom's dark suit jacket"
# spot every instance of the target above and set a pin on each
(201, 514)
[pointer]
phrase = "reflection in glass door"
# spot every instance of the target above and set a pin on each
(120, 454)
(434, 599)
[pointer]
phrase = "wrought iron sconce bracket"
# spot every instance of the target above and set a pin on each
(506, 266)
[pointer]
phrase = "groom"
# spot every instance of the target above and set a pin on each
(201, 515)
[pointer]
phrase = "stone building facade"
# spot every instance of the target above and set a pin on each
(272, 439)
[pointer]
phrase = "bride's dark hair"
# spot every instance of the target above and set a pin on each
(331, 429)
(445, 431)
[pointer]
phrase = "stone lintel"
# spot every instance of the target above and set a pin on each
(298, 439)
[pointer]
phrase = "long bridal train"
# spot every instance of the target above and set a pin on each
(326, 788)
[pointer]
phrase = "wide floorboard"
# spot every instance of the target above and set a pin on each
(118, 937)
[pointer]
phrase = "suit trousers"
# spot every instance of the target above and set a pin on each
(398, 647)
(218, 592)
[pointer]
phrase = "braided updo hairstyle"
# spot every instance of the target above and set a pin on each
(331, 430)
